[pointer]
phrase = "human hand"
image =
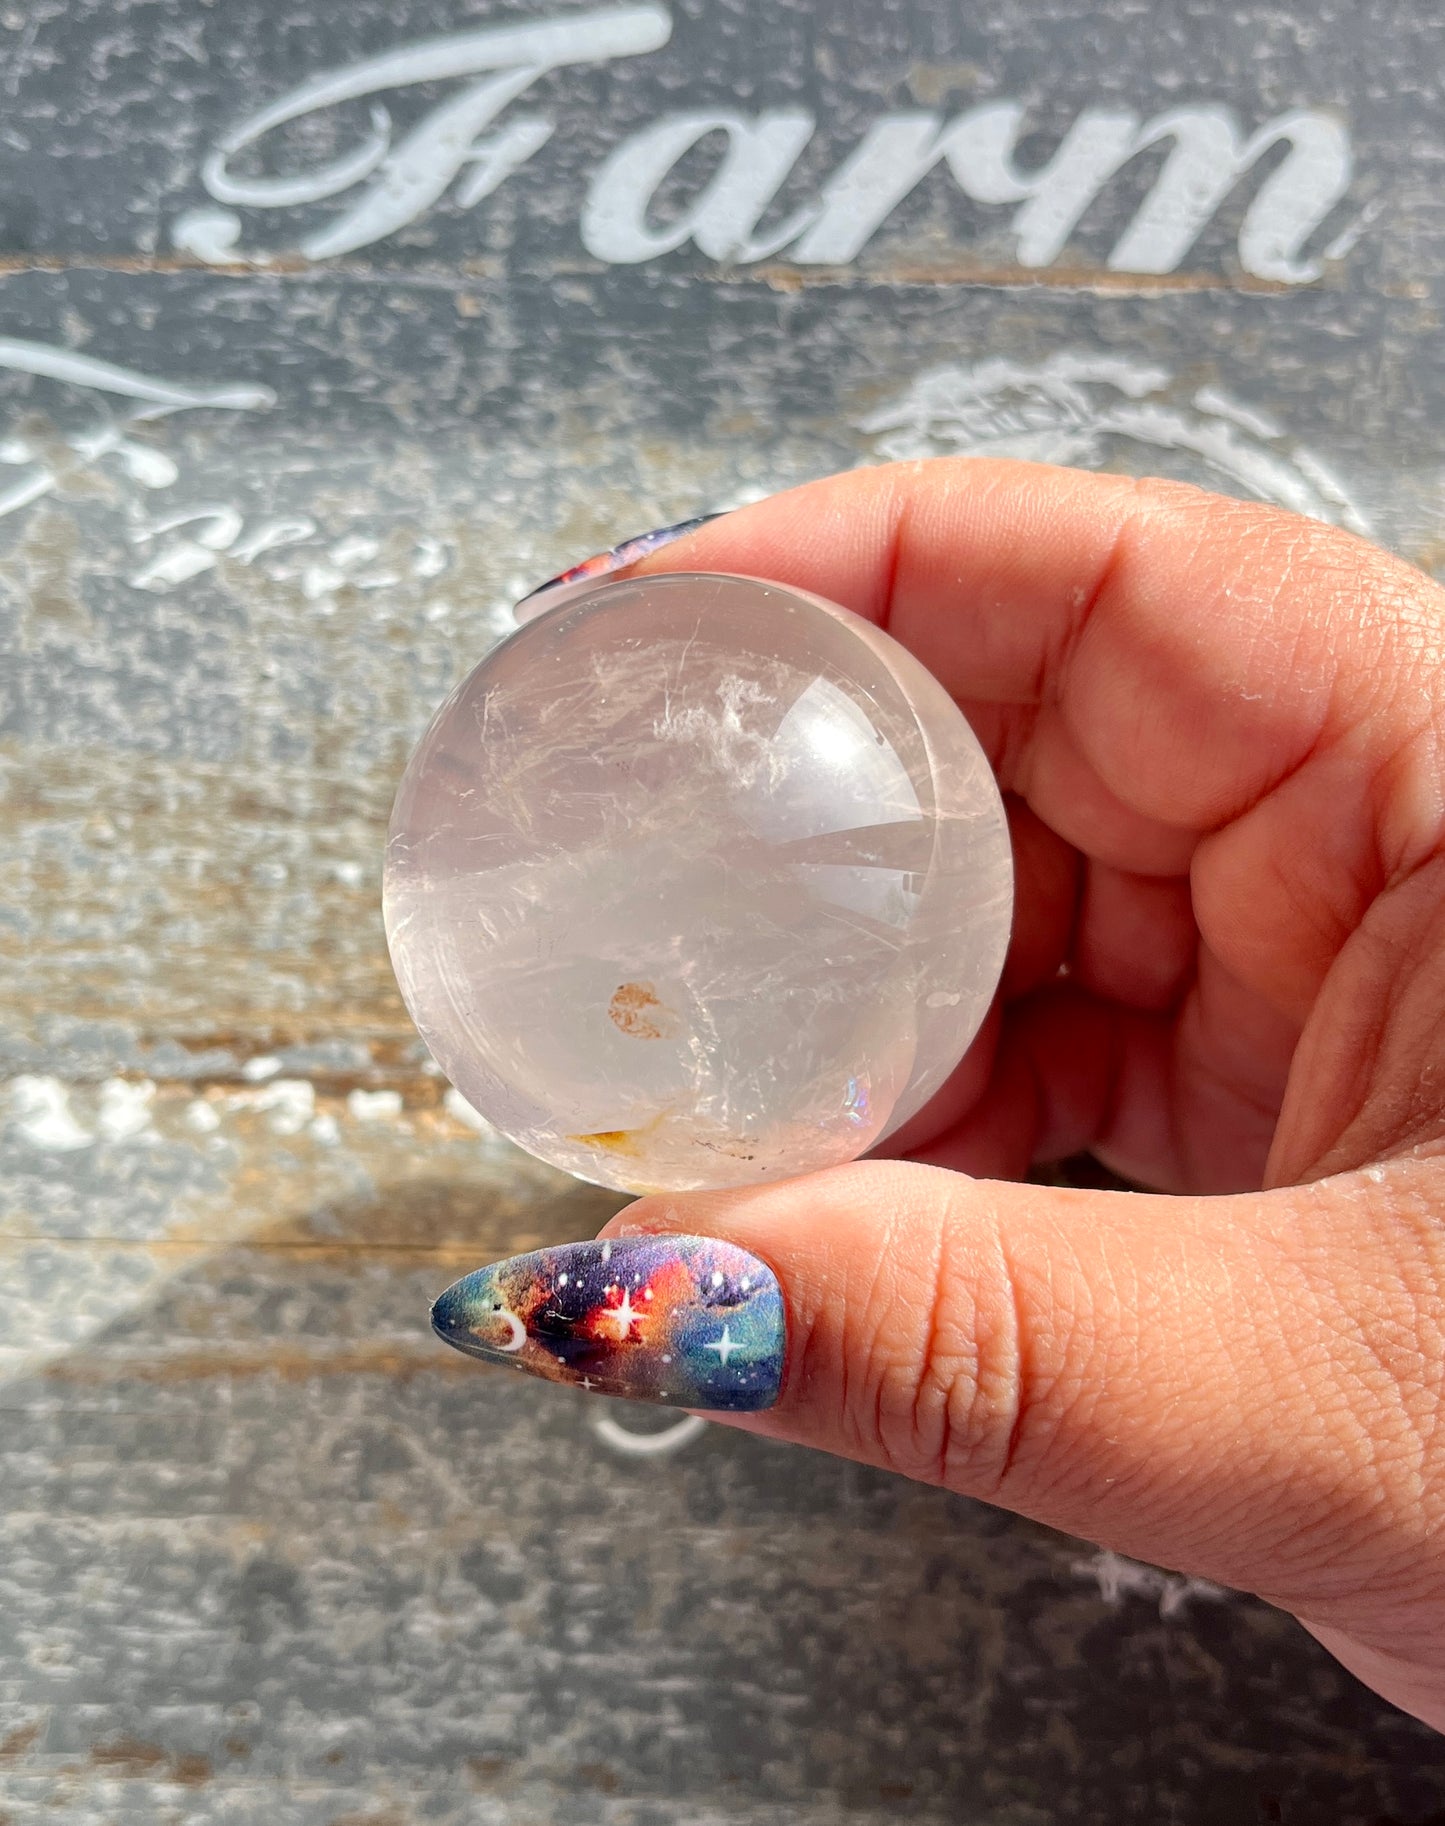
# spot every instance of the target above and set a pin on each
(1220, 732)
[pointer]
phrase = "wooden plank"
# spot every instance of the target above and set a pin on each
(267, 1552)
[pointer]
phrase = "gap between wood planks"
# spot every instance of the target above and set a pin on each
(776, 276)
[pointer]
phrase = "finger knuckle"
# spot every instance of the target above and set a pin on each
(945, 1392)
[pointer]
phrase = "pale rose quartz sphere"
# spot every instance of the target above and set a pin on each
(698, 881)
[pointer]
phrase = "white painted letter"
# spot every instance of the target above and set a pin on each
(1208, 160)
(761, 152)
(980, 156)
(893, 156)
(416, 172)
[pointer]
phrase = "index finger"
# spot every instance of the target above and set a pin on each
(1150, 666)
(1196, 646)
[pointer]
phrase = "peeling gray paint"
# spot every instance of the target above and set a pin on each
(266, 1555)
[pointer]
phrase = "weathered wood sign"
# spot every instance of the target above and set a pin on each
(324, 333)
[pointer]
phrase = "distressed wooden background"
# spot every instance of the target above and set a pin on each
(267, 1553)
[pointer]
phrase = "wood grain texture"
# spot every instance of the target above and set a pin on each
(268, 1554)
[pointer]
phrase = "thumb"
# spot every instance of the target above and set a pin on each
(1244, 1388)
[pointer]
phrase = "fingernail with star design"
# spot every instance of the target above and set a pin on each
(567, 584)
(683, 1321)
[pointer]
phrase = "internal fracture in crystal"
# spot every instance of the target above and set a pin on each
(698, 881)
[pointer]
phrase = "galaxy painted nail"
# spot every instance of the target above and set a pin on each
(680, 1320)
(548, 595)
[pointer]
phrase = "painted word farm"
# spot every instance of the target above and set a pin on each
(463, 147)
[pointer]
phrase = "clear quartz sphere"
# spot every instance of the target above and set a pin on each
(698, 881)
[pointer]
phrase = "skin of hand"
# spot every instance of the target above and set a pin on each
(1220, 730)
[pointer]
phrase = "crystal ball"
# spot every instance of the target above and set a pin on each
(698, 881)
